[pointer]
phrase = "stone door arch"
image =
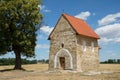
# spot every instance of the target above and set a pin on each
(68, 59)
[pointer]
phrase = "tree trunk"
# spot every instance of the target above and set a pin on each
(18, 61)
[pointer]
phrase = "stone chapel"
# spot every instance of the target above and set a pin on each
(73, 45)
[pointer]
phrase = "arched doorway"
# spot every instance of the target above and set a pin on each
(63, 60)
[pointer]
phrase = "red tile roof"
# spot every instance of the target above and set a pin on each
(80, 26)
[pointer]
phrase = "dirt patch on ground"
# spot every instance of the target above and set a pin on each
(40, 72)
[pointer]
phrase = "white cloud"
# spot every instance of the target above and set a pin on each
(104, 39)
(109, 29)
(111, 18)
(118, 40)
(109, 33)
(46, 10)
(42, 46)
(83, 15)
(43, 8)
(46, 29)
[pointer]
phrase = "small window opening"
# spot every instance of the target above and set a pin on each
(62, 45)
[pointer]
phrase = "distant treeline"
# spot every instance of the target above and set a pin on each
(43, 61)
(11, 61)
(111, 61)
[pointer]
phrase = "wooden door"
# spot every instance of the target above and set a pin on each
(62, 62)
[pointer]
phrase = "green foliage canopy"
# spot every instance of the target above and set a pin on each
(18, 20)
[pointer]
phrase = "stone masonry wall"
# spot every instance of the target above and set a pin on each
(88, 59)
(62, 34)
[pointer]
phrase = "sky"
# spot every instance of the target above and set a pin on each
(102, 15)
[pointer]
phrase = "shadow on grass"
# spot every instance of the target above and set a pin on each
(6, 70)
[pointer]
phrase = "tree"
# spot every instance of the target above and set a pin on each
(118, 61)
(18, 20)
(110, 60)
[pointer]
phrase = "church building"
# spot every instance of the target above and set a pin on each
(73, 45)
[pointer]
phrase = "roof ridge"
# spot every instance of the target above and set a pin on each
(72, 16)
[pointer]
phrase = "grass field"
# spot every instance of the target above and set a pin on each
(40, 72)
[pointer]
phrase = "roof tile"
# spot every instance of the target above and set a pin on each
(81, 27)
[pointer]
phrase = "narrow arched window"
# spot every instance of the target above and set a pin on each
(84, 46)
(92, 46)
(62, 45)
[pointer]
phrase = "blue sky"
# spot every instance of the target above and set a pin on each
(102, 15)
